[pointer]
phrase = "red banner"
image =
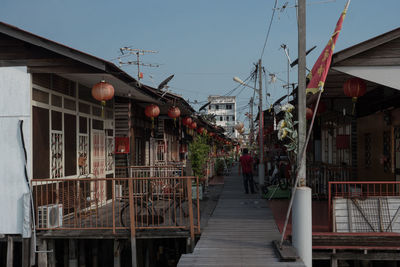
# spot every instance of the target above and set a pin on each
(320, 70)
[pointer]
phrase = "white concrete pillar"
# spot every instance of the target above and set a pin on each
(302, 224)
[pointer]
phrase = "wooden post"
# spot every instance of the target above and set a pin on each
(72, 257)
(51, 257)
(66, 253)
(10, 251)
(42, 257)
(95, 253)
(82, 256)
(117, 253)
(26, 252)
(191, 221)
(133, 226)
(334, 261)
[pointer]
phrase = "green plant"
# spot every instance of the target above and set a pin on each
(219, 166)
(198, 154)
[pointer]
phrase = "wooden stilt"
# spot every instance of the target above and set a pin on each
(95, 253)
(51, 256)
(42, 257)
(334, 261)
(133, 250)
(133, 226)
(66, 252)
(72, 255)
(10, 251)
(117, 253)
(26, 252)
(82, 256)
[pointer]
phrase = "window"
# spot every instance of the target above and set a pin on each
(221, 118)
(229, 106)
(216, 107)
(227, 118)
(233, 118)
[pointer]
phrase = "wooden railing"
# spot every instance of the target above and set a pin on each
(108, 203)
(155, 171)
(351, 189)
(319, 176)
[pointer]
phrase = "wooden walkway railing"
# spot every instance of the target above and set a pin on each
(108, 203)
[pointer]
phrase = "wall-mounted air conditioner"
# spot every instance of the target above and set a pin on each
(50, 216)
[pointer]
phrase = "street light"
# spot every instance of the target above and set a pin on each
(261, 168)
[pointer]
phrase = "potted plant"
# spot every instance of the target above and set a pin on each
(198, 156)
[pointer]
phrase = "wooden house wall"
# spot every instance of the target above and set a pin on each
(371, 130)
(63, 117)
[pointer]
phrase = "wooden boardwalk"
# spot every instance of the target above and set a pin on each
(239, 233)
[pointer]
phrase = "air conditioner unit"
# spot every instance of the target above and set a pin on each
(50, 216)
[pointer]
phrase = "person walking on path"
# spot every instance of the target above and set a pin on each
(246, 164)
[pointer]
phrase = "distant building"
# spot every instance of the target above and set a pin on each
(224, 107)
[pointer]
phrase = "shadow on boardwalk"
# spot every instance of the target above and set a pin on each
(239, 232)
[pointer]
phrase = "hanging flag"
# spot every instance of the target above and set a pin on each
(320, 70)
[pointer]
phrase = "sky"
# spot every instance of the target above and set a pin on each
(203, 43)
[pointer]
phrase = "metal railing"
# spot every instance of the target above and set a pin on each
(108, 203)
(351, 189)
(318, 177)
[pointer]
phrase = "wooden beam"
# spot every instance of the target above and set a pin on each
(39, 62)
(61, 69)
(387, 256)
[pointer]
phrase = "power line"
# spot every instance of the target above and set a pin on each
(269, 28)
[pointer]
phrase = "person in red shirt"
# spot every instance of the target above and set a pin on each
(246, 164)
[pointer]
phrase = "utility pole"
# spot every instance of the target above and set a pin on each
(261, 169)
(251, 122)
(301, 212)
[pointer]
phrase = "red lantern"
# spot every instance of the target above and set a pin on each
(187, 121)
(193, 125)
(309, 113)
(211, 134)
(102, 91)
(354, 88)
(173, 113)
(200, 130)
(152, 111)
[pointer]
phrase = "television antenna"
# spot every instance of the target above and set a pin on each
(127, 51)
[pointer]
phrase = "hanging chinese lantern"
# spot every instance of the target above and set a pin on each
(187, 121)
(200, 130)
(193, 125)
(174, 112)
(354, 88)
(152, 111)
(211, 134)
(102, 91)
(309, 113)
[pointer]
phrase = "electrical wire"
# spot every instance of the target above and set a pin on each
(269, 28)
